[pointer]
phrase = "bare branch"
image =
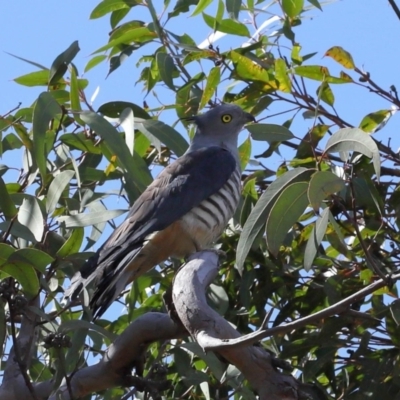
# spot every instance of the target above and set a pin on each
(206, 326)
(395, 8)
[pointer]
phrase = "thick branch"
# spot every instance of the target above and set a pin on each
(121, 356)
(205, 325)
(113, 370)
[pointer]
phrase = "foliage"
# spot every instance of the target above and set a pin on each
(315, 231)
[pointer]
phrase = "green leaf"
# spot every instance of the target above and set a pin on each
(139, 35)
(7, 206)
(113, 109)
(285, 212)
(354, 139)
(94, 61)
(135, 167)
(227, 26)
(322, 185)
(166, 134)
(117, 16)
(260, 212)
(233, 8)
(166, 67)
(80, 141)
(25, 274)
(46, 108)
(30, 216)
(247, 69)
(324, 92)
(37, 78)
(5, 252)
(317, 234)
(244, 153)
(281, 74)
(72, 244)
(79, 220)
(342, 56)
(56, 188)
(201, 5)
(60, 64)
(34, 257)
(269, 132)
(375, 121)
(211, 86)
(292, 8)
(74, 97)
(318, 73)
(107, 6)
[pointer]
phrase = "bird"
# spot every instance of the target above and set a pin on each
(184, 210)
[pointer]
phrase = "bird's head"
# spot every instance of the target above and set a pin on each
(225, 120)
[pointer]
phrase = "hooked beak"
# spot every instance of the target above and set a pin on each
(249, 117)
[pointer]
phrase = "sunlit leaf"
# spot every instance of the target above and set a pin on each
(375, 121)
(318, 73)
(292, 7)
(245, 153)
(72, 244)
(324, 92)
(201, 6)
(87, 219)
(34, 257)
(281, 74)
(107, 6)
(211, 86)
(30, 216)
(342, 56)
(229, 26)
(248, 69)
(128, 125)
(37, 78)
(25, 274)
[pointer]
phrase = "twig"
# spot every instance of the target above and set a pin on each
(395, 8)
(337, 308)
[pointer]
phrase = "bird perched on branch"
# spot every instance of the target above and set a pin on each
(184, 210)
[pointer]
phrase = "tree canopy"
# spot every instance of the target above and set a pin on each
(307, 290)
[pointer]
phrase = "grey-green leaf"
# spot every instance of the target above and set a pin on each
(323, 184)
(269, 132)
(354, 139)
(45, 110)
(317, 234)
(166, 67)
(56, 188)
(78, 220)
(260, 212)
(285, 212)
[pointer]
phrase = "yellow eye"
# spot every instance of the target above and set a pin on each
(226, 118)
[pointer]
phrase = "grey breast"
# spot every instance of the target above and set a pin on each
(213, 214)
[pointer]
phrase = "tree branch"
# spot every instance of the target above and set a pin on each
(395, 8)
(205, 325)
